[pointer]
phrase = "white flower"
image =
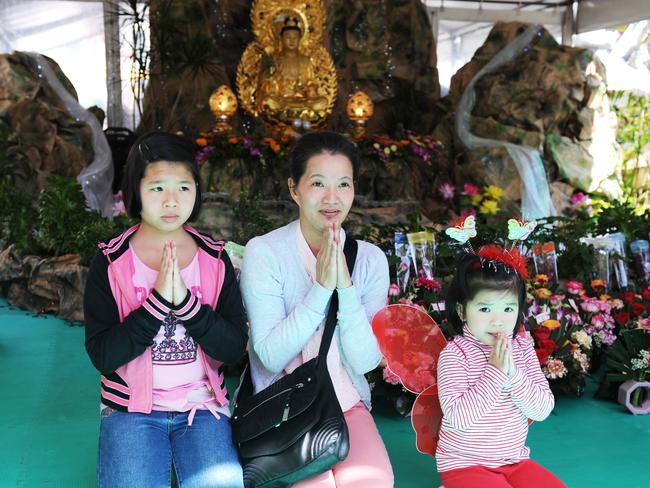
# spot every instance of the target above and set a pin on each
(582, 338)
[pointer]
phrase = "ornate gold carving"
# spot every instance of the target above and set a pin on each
(286, 73)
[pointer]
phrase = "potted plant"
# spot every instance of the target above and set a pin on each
(630, 357)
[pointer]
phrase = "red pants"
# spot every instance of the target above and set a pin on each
(524, 474)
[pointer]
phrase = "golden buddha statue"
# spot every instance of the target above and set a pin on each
(285, 75)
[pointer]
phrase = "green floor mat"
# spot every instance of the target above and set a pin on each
(50, 415)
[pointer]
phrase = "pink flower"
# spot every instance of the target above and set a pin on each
(118, 205)
(578, 199)
(447, 190)
(554, 368)
(556, 300)
(605, 307)
(644, 324)
(574, 287)
(607, 337)
(393, 290)
(405, 301)
(390, 377)
(470, 190)
(466, 213)
(574, 318)
(590, 305)
(582, 359)
(598, 321)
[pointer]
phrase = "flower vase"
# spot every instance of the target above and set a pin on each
(635, 395)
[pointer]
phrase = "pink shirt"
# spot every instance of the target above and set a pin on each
(179, 380)
(346, 393)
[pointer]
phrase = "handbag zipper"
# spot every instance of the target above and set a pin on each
(286, 407)
(285, 414)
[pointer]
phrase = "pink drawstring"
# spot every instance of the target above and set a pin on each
(209, 407)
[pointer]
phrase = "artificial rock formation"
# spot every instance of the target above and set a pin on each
(44, 139)
(550, 97)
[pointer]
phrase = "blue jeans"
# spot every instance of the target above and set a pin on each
(137, 450)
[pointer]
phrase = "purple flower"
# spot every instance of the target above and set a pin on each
(447, 190)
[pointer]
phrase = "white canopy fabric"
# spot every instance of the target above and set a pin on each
(600, 14)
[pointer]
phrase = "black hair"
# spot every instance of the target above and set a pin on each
(315, 143)
(152, 148)
(290, 23)
(474, 274)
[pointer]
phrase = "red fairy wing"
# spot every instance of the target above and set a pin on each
(411, 342)
(426, 417)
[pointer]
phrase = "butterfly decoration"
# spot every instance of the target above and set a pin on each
(519, 230)
(462, 231)
(411, 342)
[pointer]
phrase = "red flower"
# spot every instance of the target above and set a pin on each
(428, 284)
(637, 309)
(548, 345)
(628, 296)
(541, 333)
(622, 318)
(542, 355)
(646, 295)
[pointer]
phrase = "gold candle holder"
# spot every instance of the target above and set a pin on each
(223, 104)
(359, 109)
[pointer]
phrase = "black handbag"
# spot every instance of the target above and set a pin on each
(294, 429)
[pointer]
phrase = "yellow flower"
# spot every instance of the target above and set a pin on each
(542, 279)
(494, 192)
(551, 324)
(489, 207)
(604, 297)
(387, 150)
(476, 199)
(597, 284)
(201, 141)
(393, 148)
(544, 293)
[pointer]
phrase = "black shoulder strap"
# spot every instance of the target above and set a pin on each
(350, 250)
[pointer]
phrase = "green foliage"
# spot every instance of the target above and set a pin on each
(17, 217)
(628, 347)
(250, 220)
(633, 134)
(65, 225)
(629, 215)
(4, 140)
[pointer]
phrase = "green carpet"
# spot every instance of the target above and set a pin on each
(50, 418)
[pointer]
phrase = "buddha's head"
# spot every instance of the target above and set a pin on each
(290, 34)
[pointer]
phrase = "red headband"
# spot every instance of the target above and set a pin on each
(510, 257)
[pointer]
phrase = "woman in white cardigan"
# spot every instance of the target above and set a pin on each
(288, 277)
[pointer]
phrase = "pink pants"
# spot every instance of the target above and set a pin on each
(524, 474)
(367, 464)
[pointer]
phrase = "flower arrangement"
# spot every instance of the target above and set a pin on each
(257, 153)
(571, 328)
(630, 357)
(470, 199)
(390, 151)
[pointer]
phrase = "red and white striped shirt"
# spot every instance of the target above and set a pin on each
(485, 413)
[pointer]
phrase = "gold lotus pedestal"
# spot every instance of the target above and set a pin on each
(286, 76)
